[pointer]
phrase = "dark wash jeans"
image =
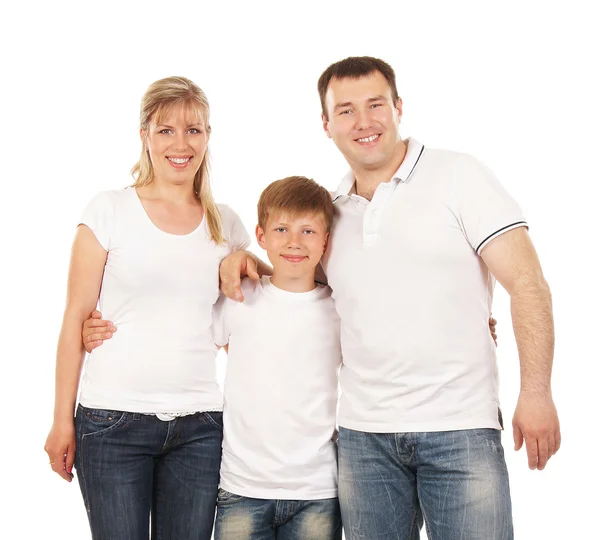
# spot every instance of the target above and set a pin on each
(133, 467)
(454, 481)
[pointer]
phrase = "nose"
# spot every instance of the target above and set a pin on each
(294, 240)
(180, 141)
(363, 120)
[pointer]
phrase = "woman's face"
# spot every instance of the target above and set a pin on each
(176, 142)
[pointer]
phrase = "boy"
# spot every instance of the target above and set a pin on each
(279, 468)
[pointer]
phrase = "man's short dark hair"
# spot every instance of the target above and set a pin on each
(355, 67)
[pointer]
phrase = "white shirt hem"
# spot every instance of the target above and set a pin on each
(280, 493)
(404, 427)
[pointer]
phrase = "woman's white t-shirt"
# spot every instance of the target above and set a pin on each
(159, 289)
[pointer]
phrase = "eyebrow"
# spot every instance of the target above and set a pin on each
(171, 127)
(349, 103)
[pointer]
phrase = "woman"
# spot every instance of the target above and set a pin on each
(146, 441)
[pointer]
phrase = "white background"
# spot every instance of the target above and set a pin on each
(514, 83)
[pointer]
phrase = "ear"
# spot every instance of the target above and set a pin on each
(143, 138)
(325, 125)
(260, 237)
(326, 243)
(399, 108)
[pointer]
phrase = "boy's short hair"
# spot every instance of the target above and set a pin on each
(355, 67)
(295, 195)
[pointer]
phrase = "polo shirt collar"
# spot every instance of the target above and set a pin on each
(413, 153)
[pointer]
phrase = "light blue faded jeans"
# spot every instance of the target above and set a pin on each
(454, 481)
(245, 518)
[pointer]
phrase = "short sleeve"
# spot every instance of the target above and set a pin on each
(219, 328)
(236, 234)
(482, 206)
(99, 217)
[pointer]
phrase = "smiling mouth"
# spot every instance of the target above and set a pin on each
(366, 140)
(294, 258)
(179, 161)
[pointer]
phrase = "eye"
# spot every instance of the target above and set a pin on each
(346, 111)
(308, 231)
(375, 105)
(166, 131)
(195, 131)
(280, 229)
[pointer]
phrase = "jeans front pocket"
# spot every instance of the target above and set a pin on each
(226, 497)
(97, 422)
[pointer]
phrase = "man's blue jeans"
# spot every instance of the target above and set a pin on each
(133, 467)
(455, 481)
(245, 518)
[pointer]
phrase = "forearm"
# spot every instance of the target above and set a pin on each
(531, 309)
(69, 361)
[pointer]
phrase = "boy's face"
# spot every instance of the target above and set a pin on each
(294, 243)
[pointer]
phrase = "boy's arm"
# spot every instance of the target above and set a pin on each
(512, 259)
(236, 266)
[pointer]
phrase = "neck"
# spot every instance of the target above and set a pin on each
(293, 284)
(367, 179)
(167, 191)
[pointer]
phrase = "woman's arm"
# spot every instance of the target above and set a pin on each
(88, 259)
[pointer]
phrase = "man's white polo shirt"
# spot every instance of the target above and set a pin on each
(414, 297)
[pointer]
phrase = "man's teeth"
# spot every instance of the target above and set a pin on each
(369, 139)
(180, 161)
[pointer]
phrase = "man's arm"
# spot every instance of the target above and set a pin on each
(236, 266)
(512, 259)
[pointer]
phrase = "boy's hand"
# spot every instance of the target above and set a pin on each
(492, 322)
(95, 331)
(233, 268)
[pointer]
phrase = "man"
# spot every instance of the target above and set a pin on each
(418, 239)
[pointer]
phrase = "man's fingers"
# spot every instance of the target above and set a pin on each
(96, 314)
(252, 269)
(237, 291)
(543, 453)
(517, 437)
(557, 441)
(532, 452)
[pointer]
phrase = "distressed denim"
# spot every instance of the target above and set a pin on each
(245, 518)
(134, 469)
(454, 481)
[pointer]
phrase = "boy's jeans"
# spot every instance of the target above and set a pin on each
(456, 481)
(130, 464)
(245, 518)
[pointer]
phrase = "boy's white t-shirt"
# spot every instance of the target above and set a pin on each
(159, 290)
(280, 392)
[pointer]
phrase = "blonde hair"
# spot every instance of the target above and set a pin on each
(295, 195)
(162, 97)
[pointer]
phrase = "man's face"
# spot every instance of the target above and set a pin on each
(363, 120)
(294, 243)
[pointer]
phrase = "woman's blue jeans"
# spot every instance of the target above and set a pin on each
(138, 473)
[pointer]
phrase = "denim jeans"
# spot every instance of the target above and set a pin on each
(455, 481)
(133, 468)
(245, 518)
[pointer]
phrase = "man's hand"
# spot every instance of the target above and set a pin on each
(492, 323)
(536, 422)
(233, 268)
(95, 331)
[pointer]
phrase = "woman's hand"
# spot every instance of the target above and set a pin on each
(60, 447)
